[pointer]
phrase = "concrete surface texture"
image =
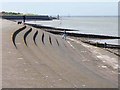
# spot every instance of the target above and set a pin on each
(33, 58)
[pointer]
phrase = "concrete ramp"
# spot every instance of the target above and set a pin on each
(33, 58)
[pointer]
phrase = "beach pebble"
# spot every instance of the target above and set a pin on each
(99, 66)
(25, 70)
(104, 61)
(20, 58)
(99, 57)
(83, 85)
(24, 63)
(84, 60)
(36, 62)
(60, 74)
(9, 52)
(83, 51)
(116, 66)
(46, 76)
(104, 66)
(113, 71)
(60, 79)
(32, 78)
(51, 86)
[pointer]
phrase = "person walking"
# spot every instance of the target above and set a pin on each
(24, 18)
(64, 35)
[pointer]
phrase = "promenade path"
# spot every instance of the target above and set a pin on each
(33, 58)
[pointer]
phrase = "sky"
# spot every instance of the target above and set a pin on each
(64, 8)
(60, 0)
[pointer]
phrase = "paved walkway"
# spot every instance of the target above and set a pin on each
(33, 58)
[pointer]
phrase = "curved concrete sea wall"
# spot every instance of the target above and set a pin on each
(34, 58)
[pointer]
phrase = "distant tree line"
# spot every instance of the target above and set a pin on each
(16, 14)
(11, 13)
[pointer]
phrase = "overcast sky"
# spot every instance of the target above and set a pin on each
(64, 8)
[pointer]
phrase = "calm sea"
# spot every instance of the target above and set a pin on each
(88, 25)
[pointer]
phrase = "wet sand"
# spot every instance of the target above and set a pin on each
(44, 60)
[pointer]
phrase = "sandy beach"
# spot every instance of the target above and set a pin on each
(34, 58)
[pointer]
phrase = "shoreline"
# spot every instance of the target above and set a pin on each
(87, 37)
(55, 30)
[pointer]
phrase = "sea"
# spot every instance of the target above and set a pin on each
(87, 25)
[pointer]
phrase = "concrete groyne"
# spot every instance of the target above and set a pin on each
(102, 45)
(48, 27)
(86, 35)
